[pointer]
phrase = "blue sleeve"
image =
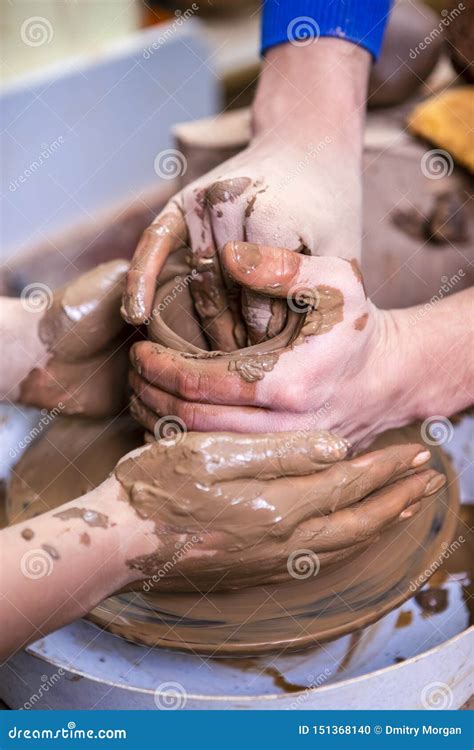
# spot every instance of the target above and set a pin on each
(359, 21)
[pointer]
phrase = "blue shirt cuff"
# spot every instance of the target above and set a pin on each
(359, 21)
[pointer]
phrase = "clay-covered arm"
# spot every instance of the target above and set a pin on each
(59, 565)
(65, 349)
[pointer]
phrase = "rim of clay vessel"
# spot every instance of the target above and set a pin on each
(160, 330)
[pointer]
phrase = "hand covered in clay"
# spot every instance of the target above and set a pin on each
(232, 511)
(325, 370)
(80, 360)
(205, 511)
(297, 186)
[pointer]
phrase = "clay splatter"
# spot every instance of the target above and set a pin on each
(404, 619)
(361, 322)
(91, 517)
(52, 551)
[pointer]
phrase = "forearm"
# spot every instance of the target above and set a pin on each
(20, 344)
(58, 566)
(309, 92)
(432, 356)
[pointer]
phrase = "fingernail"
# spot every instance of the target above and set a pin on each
(421, 458)
(246, 255)
(408, 512)
(435, 484)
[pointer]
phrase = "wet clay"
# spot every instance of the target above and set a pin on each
(85, 539)
(361, 322)
(175, 326)
(287, 613)
(70, 457)
(245, 507)
(79, 331)
(328, 313)
(83, 316)
(226, 191)
(51, 551)
(432, 600)
(404, 619)
(90, 517)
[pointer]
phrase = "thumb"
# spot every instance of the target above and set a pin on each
(277, 272)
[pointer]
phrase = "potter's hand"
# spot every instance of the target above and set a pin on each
(203, 510)
(327, 378)
(71, 356)
(228, 510)
(353, 369)
(145, 515)
(297, 185)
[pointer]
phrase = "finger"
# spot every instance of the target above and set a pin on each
(167, 233)
(291, 497)
(372, 516)
(296, 498)
(230, 457)
(85, 315)
(228, 218)
(282, 273)
(207, 418)
(205, 381)
(220, 325)
(265, 316)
